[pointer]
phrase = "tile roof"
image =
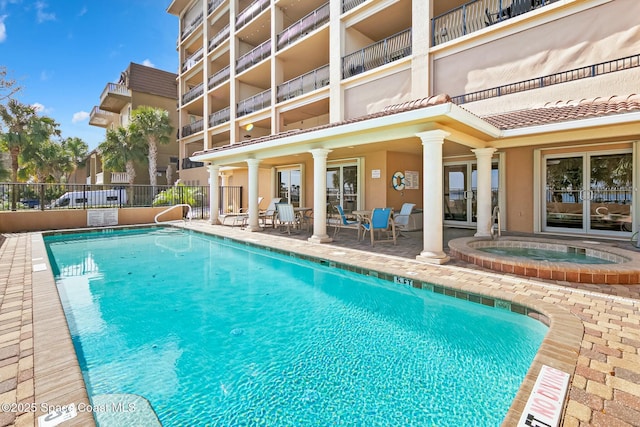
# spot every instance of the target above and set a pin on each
(562, 111)
(387, 111)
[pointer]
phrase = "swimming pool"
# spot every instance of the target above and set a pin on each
(210, 331)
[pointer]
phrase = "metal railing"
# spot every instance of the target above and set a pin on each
(193, 93)
(303, 84)
(255, 103)
(256, 55)
(230, 199)
(551, 79)
(84, 196)
(377, 54)
(219, 117)
(250, 12)
(217, 40)
(478, 14)
(115, 89)
(187, 163)
(192, 128)
(192, 60)
(347, 5)
(304, 26)
(191, 26)
(219, 77)
(213, 5)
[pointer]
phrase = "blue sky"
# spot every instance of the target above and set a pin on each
(64, 52)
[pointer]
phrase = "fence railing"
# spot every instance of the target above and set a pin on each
(312, 21)
(219, 77)
(478, 14)
(347, 5)
(303, 84)
(254, 56)
(219, 38)
(192, 59)
(255, 103)
(251, 12)
(192, 128)
(388, 50)
(191, 26)
(213, 5)
(219, 117)
(21, 196)
(193, 93)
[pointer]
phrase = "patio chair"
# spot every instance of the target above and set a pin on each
(401, 220)
(344, 222)
(286, 216)
(237, 218)
(379, 221)
(269, 214)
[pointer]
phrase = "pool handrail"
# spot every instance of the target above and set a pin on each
(172, 207)
(496, 226)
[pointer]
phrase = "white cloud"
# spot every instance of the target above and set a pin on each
(38, 107)
(41, 14)
(3, 29)
(148, 63)
(80, 116)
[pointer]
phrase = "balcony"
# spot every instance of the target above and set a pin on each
(220, 117)
(255, 103)
(114, 97)
(213, 5)
(192, 128)
(99, 178)
(102, 118)
(119, 178)
(303, 84)
(188, 164)
(219, 77)
(347, 5)
(190, 27)
(253, 10)
(478, 14)
(375, 55)
(312, 21)
(192, 60)
(193, 93)
(219, 38)
(256, 55)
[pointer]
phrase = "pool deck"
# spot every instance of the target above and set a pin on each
(594, 333)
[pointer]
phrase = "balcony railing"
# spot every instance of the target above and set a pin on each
(254, 103)
(102, 116)
(312, 21)
(192, 59)
(188, 164)
(119, 178)
(191, 26)
(303, 84)
(213, 5)
(219, 117)
(254, 56)
(217, 40)
(115, 89)
(193, 93)
(192, 128)
(478, 14)
(347, 5)
(251, 12)
(383, 52)
(219, 77)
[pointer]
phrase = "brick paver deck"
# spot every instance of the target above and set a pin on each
(593, 336)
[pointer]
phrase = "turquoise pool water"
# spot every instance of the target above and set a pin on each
(217, 333)
(545, 255)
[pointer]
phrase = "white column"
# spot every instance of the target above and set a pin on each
(432, 196)
(483, 204)
(253, 195)
(214, 196)
(320, 196)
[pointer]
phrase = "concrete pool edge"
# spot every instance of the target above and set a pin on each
(558, 349)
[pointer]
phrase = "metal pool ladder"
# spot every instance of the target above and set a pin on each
(496, 226)
(173, 207)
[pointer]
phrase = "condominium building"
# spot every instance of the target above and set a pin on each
(138, 86)
(527, 106)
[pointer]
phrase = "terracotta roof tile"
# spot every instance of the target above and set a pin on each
(562, 111)
(387, 111)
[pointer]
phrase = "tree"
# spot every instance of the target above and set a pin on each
(154, 127)
(77, 150)
(47, 161)
(120, 151)
(8, 87)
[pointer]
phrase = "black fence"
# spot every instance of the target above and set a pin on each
(20, 196)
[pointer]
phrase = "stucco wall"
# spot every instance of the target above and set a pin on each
(403, 162)
(33, 220)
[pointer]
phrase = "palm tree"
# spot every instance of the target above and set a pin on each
(77, 150)
(154, 127)
(121, 151)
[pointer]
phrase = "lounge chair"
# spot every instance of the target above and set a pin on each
(269, 214)
(236, 218)
(379, 221)
(401, 220)
(286, 216)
